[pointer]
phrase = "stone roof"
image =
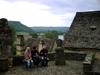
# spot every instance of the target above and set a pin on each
(84, 31)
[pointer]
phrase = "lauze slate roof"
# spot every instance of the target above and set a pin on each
(84, 31)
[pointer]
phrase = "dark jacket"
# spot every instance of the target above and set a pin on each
(34, 53)
(44, 52)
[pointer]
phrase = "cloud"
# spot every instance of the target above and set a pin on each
(45, 12)
(30, 14)
(63, 6)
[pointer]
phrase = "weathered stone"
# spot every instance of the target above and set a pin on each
(59, 43)
(5, 37)
(20, 45)
(75, 55)
(6, 40)
(88, 63)
(69, 55)
(18, 60)
(84, 31)
(51, 56)
(3, 64)
(59, 57)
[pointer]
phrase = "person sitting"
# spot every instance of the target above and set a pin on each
(35, 56)
(44, 56)
(28, 58)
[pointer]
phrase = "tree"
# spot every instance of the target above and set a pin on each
(51, 34)
(34, 35)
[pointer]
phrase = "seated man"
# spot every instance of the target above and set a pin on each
(35, 56)
(44, 56)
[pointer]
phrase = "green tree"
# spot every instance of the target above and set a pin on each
(13, 48)
(34, 34)
(51, 34)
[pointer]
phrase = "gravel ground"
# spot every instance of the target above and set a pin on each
(71, 68)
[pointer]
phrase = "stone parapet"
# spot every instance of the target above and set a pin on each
(59, 57)
(88, 63)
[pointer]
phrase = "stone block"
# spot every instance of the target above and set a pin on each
(18, 60)
(3, 64)
(88, 62)
(59, 56)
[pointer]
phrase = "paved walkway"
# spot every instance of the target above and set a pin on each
(71, 68)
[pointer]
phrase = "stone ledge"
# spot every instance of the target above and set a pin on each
(18, 60)
(73, 55)
(88, 62)
(69, 55)
(3, 64)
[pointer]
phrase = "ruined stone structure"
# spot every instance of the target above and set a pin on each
(84, 32)
(6, 40)
(46, 42)
(6, 37)
(19, 45)
(59, 42)
(32, 42)
(59, 56)
(21, 41)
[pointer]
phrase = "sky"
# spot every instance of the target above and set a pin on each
(47, 13)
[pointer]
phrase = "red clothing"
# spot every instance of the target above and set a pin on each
(27, 55)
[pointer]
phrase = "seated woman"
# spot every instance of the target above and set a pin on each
(44, 56)
(35, 56)
(28, 58)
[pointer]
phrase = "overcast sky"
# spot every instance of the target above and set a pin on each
(45, 12)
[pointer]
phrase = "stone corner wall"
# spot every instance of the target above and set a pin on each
(88, 63)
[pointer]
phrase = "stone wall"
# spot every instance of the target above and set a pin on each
(69, 55)
(18, 60)
(73, 55)
(84, 31)
(51, 56)
(60, 56)
(88, 63)
(3, 64)
(6, 38)
(6, 41)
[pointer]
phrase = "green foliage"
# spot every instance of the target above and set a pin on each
(13, 49)
(34, 35)
(19, 27)
(51, 34)
(46, 29)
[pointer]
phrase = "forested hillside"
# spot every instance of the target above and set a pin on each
(45, 29)
(18, 26)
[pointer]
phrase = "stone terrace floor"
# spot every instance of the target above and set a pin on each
(71, 68)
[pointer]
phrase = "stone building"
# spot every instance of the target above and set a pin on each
(84, 32)
(21, 40)
(25, 35)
